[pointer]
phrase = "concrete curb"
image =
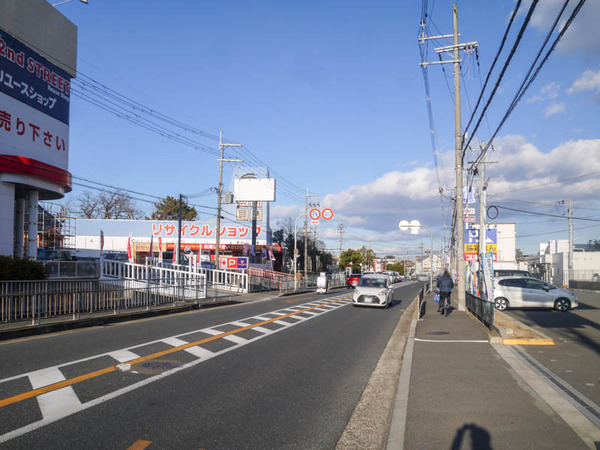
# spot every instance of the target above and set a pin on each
(516, 328)
(369, 425)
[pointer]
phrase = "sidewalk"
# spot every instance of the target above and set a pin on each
(24, 328)
(457, 392)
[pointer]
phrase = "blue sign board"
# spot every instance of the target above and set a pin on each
(28, 77)
(472, 236)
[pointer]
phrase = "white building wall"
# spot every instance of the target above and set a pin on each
(585, 265)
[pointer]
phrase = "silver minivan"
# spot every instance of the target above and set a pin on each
(527, 292)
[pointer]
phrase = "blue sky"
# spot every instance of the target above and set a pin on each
(330, 96)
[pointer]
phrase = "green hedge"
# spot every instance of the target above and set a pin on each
(21, 269)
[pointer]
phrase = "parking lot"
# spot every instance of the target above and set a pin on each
(576, 356)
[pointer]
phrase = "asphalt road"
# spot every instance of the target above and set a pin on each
(576, 356)
(281, 373)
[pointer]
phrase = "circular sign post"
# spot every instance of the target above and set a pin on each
(314, 215)
(327, 214)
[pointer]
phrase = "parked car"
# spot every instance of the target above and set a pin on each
(116, 256)
(394, 276)
(423, 277)
(528, 292)
(511, 273)
(352, 280)
(51, 254)
(373, 290)
(390, 275)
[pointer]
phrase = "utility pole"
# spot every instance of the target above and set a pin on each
(220, 192)
(306, 234)
(179, 220)
(460, 241)
(459, 222)
(482, 225)
(341, 230)
(570, 277)
(306, 205)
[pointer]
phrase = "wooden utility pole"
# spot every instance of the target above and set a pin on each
(220, 193)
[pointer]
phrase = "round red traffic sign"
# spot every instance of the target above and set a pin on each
(327, 214)
(314, 214)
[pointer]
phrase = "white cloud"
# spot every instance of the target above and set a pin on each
(372, 211)
(556, 108)
(588, 81)
(582, 35)
(524, 171)
(548, 92)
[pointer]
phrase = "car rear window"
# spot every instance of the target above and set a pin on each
(512, 282)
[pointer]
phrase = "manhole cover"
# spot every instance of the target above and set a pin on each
(155, 367)
(437, 333)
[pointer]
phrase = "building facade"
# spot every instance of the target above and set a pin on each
(37, 62)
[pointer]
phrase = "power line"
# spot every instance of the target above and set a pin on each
(503, 71)
(525, 87)
(542, 214)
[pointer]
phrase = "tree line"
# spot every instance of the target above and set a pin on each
(120, 205)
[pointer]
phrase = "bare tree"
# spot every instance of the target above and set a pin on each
(108, 205)
(88, 205)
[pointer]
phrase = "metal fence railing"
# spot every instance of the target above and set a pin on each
(421, 306)
(335, 280)
(72, 269)
(36, 300)
(483, 310)
(226, 280)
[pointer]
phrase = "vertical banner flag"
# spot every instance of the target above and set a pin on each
(129, 249)
(101, 243)
(151, 253)
(271, 254)
(175, 255)
(160, 249)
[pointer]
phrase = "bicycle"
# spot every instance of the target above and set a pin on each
(445, 303)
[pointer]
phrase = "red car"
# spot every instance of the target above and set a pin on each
(352, 280)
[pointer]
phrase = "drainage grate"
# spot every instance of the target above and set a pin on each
(438, 333)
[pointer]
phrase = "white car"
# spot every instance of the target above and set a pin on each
(390, 275)
(527, 292)
(373, 290)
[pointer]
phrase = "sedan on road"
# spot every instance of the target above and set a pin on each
(527, 292)
(373, 290)
(352, 280)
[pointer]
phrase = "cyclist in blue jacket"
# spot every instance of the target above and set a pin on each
(445, 285)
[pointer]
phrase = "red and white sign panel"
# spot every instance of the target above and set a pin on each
(327, 214)
(470, 219)
(314, 215)
(233, 262)
(25, 131)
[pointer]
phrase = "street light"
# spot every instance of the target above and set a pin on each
(414, 226)
(67, 1)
